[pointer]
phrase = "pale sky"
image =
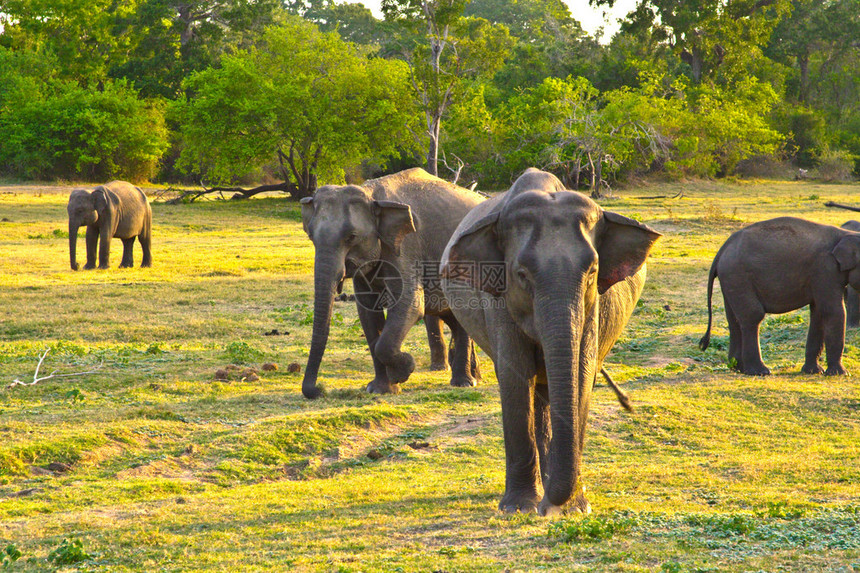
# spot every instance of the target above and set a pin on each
(590, 18)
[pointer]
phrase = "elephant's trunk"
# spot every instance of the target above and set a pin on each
(73, 243)
(558, 316)
(328, 275)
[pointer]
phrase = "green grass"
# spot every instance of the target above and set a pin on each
(168, 469)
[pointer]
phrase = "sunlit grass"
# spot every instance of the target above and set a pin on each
(168, 469)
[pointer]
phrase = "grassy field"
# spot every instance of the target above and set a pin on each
(158, 467)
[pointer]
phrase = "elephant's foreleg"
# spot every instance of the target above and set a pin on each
(104, 248)
(372, 323)
(401, 317)
(92, 243)
(463, 356)
(814, 342)
(834, 339)
(543, 429)
(127, 253)
(436, 341)
(852, 307)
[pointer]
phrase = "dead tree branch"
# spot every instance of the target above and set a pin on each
(239, 192)
(677, 195)
(841, 206)
(53, 374)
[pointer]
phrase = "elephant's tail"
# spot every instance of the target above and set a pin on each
(706, 339)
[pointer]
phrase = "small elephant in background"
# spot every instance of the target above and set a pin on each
(117, 209)
(852, 297)
(780, 265)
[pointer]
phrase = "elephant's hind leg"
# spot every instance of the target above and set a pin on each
(127, 253)
(736, 360)
(751, 351)
(145, 240)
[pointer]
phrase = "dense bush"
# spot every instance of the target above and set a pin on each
(52, 128)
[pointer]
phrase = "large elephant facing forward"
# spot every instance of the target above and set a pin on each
(117, 209)
(545, 280)
(388, 236)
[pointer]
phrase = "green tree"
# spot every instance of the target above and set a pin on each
(710, 36)
(170, 39)
(81, 35)
(51, 127)
(304, 99)
(445, 52)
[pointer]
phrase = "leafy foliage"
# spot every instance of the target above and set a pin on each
(275, 104)
(57, 128)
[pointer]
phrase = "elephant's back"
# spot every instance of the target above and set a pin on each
(129, 194)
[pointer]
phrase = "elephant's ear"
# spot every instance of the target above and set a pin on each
(307, 204)
(100, 199)
(393, 222)
(622, 248)
(476, 259)
(847, 253)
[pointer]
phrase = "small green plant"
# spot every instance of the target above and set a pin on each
(154, 349)
(9, 555)
(68, 553)
(242, 352)
(74, 396)
(590, 528)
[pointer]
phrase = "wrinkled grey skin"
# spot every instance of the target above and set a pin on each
(117, 209)
(403, 220)
(852, 297)
(572, 275)
(777, 266)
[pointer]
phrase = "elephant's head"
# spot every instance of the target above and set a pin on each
(847, 255)
(350, 230)
(560, 251)
(83, 208)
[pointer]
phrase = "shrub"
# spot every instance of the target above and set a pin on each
(52, 128)
(835, 166)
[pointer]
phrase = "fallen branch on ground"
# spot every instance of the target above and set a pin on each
(677, 195)
(239, 192)
(841, 206)
(53, 374)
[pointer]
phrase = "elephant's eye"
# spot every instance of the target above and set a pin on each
(523, 276)
(351, 238)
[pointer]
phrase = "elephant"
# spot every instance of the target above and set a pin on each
(852, 297)
(388, 236)
(777, 266)
(544, 280)
(117, 209)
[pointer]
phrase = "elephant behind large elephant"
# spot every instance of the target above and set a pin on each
(852, 297)
(116, 209)
(780, 265)
(388, 236)
(545, 280)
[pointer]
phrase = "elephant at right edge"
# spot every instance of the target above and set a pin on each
(780, 265)
(544, 281)
(852, 297)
